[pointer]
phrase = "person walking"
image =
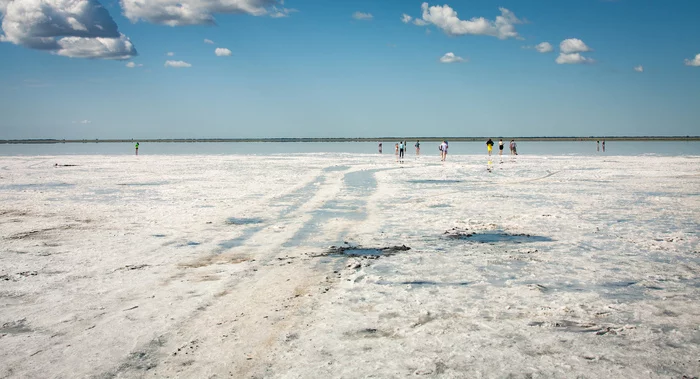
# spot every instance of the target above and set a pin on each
(402, 147)
(500, 146)
(443, 150)
(512, 142)
(137, 148)
(380, 147)
(515, 148)
(489, 146)
(417, 147)
(603, 145)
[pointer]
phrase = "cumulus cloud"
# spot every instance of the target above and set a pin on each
(190, 12)
(132, 65)
(573, 45)
(362, 16)
(222, 52)
(695, 62)
(451, 58)
(208, 41)
(72, 28)
(544, 47)
(639, 68)
(177, 64)
(420, 22)
(446, 18)
(406, 18)
(281, 12)
(573, 58)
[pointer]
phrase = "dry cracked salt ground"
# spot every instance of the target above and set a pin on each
(218, 266)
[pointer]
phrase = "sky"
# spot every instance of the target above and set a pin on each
(87, 69)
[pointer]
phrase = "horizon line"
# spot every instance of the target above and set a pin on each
(346, 139)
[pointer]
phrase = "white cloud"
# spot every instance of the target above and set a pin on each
(177, 64)
(639, 68)
(573, 58)
(451, 58)
(72, 28)
(420, 22)
(84, 122)
(406, 18)
(446, 19)
(573, 45)
(544, 47)
(190, 12)
(695, 62)
(208, 41)
(132, 65)
(222, 52)
(171, 54)
(362, 16)
(281, 12)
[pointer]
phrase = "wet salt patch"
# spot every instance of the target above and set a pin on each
(143, 184)
(336, 168)
(496, 237)
(37, 186)
(244, 221)
(158, 235)
(434, 181)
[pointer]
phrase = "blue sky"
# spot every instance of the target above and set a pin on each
(325, 70)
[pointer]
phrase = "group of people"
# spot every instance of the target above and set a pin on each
(513, 146)
(401, 147)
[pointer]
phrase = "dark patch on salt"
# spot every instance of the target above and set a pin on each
(158, 235)
(494, 237)
(15, 327)
(244, 221)
(359, 251)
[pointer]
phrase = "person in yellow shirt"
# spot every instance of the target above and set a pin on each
(489, 146)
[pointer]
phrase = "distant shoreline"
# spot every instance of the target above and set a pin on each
(358, 139)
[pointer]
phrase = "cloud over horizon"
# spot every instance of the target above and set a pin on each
(446, 18)
(190, 12)
(362, 16)
(544, 47)
(695, 62)
(451, 58)
(177, 64)
(570, 52)
(222, 52)
(71, 28)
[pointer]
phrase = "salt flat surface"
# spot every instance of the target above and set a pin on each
(219, 266)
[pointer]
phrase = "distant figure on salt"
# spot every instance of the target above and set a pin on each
(489, 146)
(443, 150)
(396, 150)
(402, 147)
(417, 145)
(137, 148)
(597, 147)
(603, 145)
(513, 147)
(380, 147)
(500, 146)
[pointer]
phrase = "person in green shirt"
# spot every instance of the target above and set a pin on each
(137, 148)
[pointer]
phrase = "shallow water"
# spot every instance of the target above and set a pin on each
(585, 148)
